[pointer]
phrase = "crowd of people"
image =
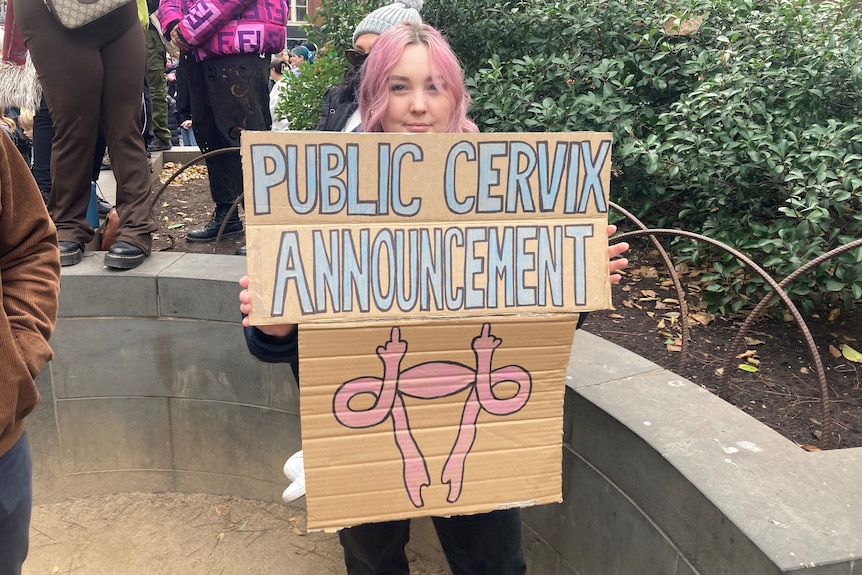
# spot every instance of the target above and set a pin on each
(92, 86)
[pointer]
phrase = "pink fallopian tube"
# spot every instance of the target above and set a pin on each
(432, 380)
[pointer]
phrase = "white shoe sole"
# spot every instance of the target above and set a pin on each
(294, 491)
(294, 467)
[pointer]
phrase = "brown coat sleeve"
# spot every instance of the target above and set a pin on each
(29, 287)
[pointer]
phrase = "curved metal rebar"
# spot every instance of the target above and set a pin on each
(680, 293)
(779, 292)
(764, 303)
(234, 207)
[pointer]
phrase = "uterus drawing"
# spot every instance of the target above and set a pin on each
(432, 380)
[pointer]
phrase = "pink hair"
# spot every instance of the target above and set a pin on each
(374, 89)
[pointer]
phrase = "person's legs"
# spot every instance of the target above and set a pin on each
(376, 548)
(147, 116)
(219, 116)
(158, 88)
(236, 86)
(43, 134)
(484, 544)
(121, 121)
(71, 86)
(16, 502)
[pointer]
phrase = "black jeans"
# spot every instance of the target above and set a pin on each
(227, 94)
(43, 134)
(484, 544)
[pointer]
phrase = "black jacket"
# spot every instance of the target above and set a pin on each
(337, 107)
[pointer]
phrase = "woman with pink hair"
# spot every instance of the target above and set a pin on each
(440, 92)
(413, 83)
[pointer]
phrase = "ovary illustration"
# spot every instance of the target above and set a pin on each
(432, 380)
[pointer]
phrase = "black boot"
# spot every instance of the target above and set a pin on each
(209, 232)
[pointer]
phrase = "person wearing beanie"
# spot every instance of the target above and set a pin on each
(339, 110)
(386, 17)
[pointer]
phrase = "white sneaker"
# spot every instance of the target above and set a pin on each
(294, 491)
(294, 470)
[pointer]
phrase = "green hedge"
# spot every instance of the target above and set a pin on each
(736, 119)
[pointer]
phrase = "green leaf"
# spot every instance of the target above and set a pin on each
(851, 354)
(747, 367)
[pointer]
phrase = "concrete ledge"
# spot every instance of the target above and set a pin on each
(152, 389)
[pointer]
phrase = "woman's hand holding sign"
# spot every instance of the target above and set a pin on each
(279, 330)
(614, 251)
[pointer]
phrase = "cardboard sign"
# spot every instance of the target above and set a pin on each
(432, 418)
(366, 227)
(437, 281)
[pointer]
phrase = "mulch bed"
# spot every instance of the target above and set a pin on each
(778, 384)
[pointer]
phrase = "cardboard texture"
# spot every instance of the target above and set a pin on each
(432, 418)
(362, 227)
(437, 280)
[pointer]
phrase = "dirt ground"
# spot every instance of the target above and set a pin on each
(179, 534)
(176, 534)
(782, 390)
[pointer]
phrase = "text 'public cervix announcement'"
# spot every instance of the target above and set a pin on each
(347, 227)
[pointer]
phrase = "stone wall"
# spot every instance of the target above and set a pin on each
(152, 389)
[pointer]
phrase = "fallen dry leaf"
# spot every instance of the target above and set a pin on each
(834, 351)
(702, 318)
(752, 341)
(746, 353)
(645, 272)
(616, 316)
(850, 354)
(833, 315)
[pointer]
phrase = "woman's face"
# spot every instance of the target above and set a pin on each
(295, 60)
(415, 104)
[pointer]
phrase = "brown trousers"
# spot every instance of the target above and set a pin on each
(93, 77)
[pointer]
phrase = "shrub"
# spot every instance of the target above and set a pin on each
(332, 31)
(301, 94)
(734, 118)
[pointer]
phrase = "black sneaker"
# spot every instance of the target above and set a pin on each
(159, 145)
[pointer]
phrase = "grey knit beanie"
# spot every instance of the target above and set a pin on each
(388, 16)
